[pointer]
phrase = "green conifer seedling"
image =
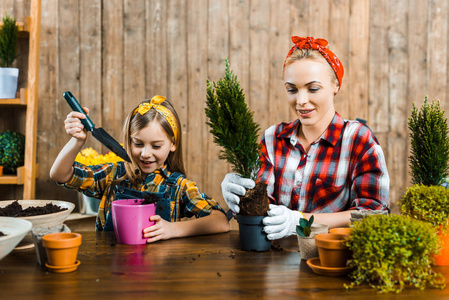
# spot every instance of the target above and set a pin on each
(232, 125)
(9, 36)
(429, 144)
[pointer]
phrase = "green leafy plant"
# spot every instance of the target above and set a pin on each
(234, 129)
(232, 125)
(304, 229)
(12, 151)
(9, 36)
(429, 144)
(390, 252)
(427, 203)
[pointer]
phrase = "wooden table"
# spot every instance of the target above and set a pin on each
(197, 267)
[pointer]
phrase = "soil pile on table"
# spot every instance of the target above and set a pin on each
(15, 210)
(2, 234)
(255, 202)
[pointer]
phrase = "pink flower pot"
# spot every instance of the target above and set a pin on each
(129, 218)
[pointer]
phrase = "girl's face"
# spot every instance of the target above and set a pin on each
(310, 91)
(150, 147)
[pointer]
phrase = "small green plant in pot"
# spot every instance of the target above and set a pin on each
(391, 252)
(306, 231)
(235, 131)
(9, 36)
(427, 200)
(12, 151)
(430, 204)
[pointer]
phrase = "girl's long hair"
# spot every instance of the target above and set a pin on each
(136, 122)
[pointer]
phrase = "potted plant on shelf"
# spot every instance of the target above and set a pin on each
(390, 252)
(306, 231)
(234, 129)
(427, 199)
(12, 151)
(89, 156)
(9, 36)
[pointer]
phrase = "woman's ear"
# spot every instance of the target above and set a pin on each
(173, 147)
(337, 88)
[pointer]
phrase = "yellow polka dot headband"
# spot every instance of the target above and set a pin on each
(165, 112)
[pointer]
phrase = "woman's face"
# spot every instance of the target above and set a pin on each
(150, 147)
(310, 91)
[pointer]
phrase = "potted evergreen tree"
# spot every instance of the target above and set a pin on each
(9, 36)
(427, 200)
(235, 131)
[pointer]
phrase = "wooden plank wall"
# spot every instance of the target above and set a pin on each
(114, 53)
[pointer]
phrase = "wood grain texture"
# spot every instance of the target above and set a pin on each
(205, 267)
(114, 53)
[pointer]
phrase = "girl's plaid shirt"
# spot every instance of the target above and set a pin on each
(344, 169)
(95, 181)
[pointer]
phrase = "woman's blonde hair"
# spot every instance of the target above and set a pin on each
(311, 54)
(136, 122)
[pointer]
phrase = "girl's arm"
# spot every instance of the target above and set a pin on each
(216, 222)
(335, 219)
(62, 169)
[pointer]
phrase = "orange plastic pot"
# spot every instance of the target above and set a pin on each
(332, 250)
(1, 170)
(442, 258)
(62, 248)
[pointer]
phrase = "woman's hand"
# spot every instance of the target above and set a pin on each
(73, 125)
(161, 230)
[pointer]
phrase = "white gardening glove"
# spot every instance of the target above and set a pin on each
(281, 222)
(232, 186)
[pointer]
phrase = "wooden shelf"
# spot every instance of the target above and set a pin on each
(30, 29)
(19, 178)
(20, 100)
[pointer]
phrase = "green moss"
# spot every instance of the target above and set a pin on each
(429, 144)
(9, 36)
(12, 151)
(426, 203)
(391, 252)
(232, 125)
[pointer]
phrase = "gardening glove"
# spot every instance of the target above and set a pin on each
(281, 222)
(232, 186)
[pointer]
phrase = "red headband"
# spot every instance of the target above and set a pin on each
(318, 44)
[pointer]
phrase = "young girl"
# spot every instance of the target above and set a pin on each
(320, 164)
(153, 143)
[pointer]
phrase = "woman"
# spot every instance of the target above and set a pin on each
(320, 164)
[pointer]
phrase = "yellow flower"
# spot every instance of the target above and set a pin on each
(89, 157)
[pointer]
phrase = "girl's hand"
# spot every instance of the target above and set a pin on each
(161, 230)
(73, 125)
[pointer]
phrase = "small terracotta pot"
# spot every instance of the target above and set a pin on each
(1, 170)
(61, 247)
(332, 250)
(340, 230)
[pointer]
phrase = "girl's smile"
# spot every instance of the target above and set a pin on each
(150, 147)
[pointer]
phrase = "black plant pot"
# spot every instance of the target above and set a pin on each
(252, 237)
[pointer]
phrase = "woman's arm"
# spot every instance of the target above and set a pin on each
(216, 222)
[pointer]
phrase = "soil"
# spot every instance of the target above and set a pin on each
(2, 234)
(150, 199)
(15, 210)
(255, 202)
